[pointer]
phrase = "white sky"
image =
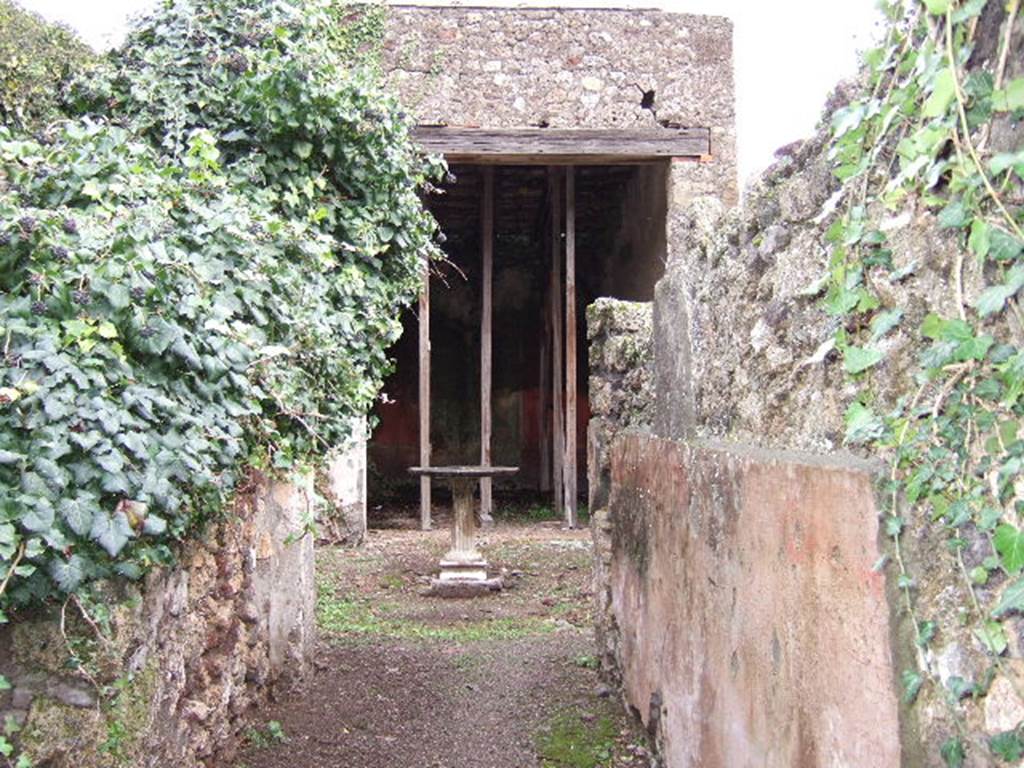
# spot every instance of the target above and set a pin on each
(789, 54)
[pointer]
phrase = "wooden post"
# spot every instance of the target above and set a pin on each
(555, 290)
(486, 310)
(543, 398)
(571, 454)
(424, 400)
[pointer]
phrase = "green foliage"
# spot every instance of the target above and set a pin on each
(271, 734)
(200, 271)
(36, 61)
(919, 137)
(1008, 746)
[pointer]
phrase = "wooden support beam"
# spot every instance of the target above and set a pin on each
(555, 299)
(486, 312)
(550, 146)
(544, 399)
(424, 398)
(571, 453)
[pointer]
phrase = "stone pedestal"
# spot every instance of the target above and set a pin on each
(463, 561)
(463, 568)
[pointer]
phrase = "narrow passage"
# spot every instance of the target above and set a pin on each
(404, 680)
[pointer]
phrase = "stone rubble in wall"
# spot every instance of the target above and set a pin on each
(196, 647)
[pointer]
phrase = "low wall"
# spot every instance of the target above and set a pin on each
(344, 486)
(752, 625)
(621, 367)
(172, 665)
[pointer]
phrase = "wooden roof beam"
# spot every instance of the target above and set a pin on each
(550, 146)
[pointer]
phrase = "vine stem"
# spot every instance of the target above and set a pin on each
(14, 565)
(962, 111)
(79, 667)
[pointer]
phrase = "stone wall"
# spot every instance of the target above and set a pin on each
(179, 659)
(570, 68)
(753, 627)
(736, 598)
(744, 355)
(621, 368)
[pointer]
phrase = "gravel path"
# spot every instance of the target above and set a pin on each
(404, 680)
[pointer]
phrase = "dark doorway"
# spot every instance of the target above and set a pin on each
(620, 252)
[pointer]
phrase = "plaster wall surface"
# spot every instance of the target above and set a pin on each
(570, 68)
(346, 487)
(753, 626)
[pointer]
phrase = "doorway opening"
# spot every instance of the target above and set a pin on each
(618, 230)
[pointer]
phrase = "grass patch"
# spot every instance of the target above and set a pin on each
(570, 741)
(345, 617)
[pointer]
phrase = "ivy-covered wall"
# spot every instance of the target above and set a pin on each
(865, 299)
(205, 243)
(37, 61)
(165, 672)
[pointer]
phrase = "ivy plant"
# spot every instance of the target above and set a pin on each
(201, 268)
(929, 132)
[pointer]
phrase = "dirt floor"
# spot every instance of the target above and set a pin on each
(405, 680)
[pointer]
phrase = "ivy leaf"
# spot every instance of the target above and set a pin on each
(912, 682)
(953, 752)
(1008, 746)
(969, 10)
(992, 635)
(1010, 98)
(1012, 599)
(78, 513)
(112, 462)
(1005, 161)
(111, 533)
(961, 688)
(994, 298)
(933, 326)
(154, 525)
(943, 92)
(1005, 247)
(862, 425)
(937, 6)
(39, 518)
(954, 215)
(859, 359)
(68, 573)
(978, 241)
(1009, 543)
(10, 457)
(884, 322)
(302, 149)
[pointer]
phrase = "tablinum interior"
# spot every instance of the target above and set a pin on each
(620, 247)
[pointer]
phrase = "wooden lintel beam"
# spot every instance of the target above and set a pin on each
(549, 146)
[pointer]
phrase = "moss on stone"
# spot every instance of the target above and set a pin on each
(130, 716)
(56, 734)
